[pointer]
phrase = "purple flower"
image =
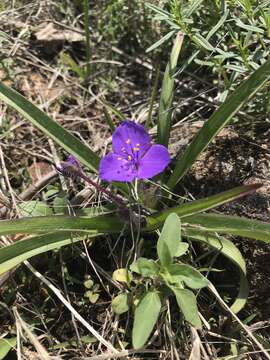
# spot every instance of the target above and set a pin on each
(70, 168)
(133, 155)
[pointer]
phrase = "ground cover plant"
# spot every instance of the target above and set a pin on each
(159, 252)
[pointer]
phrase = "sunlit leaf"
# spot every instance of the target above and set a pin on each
(169, 239)
(145, 267)
(201, 205)
(122, 275)
(187, 303)
(120, 303)
(230, 225)
(145, 318)
(6, 344)
(186, 273)
(96, 224)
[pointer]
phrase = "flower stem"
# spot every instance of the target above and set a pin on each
(100, 188)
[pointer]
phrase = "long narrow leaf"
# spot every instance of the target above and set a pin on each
(51, 128)
(160, 41)
(43, 224)
(14, 254)
(166, 97)
(201, 205)
(229, 250)
(230, 225)
(218, 120)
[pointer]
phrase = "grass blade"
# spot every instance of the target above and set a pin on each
(14, 254)
(51, 128)
(231, 225)
(229, 250)
(218, 120)
(43, 224)
(201, 205)
(166, 97)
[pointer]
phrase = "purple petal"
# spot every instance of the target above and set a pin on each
(70, 168)
(130, 139)
(153, 162)
(113, 167)
(71, 160)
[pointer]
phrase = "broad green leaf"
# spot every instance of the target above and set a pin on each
(182, 249)
(167, 91)
(201, 205)
(49, 127)
(120, 304)
(186, 273)
(34, 208)
(145, 267)
(230, 225)
(122, 275)
(14, 254)
(97, 224)
(6, 345)
(226, 248)
(187, 303)
(145, 318)
(218, 120)
(169, 239)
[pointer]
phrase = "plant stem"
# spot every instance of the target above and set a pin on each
(100, 188)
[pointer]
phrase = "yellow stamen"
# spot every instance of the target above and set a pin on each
(136, 149)
(129, 157)
(128, 141)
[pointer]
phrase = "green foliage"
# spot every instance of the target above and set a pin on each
(164, 272)
(187, 303)
(123, 22)
(120, 303)
(219, 119)
(145, 318)
(187, 274)
(6, 344)
(167, 91)
(34, 208)
(145, 267)
(169, 240)
(230, 38)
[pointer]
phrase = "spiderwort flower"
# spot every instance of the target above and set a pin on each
(70, 168)
(133, 155)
